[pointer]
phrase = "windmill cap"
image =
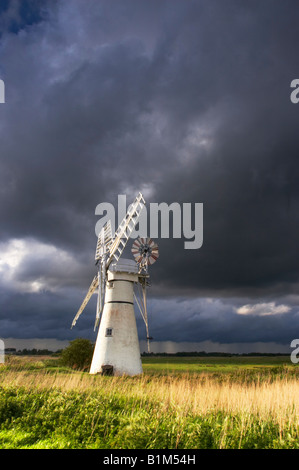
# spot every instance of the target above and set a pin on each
(124, 265)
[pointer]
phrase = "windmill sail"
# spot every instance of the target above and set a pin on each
(91, 290)
(125, 229)
(101, 293)
(108, 249)
(104, 241)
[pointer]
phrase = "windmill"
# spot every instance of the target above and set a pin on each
(117, 347)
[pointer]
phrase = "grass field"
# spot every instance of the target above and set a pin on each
(222, 364)
(178, 403)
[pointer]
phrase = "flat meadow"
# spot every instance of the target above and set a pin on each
(237, 402)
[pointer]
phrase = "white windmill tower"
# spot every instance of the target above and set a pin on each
(117, 349)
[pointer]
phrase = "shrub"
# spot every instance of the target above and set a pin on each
(78, 354)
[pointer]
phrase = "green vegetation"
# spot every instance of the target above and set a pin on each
(178, 403)
(52, 419)
(207, 363)
(78, 354)
(237, 367)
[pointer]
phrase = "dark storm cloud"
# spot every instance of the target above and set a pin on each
(220, 322)
(16, 15)
(45, 315)
(190, 100)
(247, 179)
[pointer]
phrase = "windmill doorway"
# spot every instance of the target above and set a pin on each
(107, 370)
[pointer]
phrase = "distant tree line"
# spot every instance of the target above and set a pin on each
(47, 352)
(31, 352)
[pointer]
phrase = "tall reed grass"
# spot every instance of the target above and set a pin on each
(148, 411)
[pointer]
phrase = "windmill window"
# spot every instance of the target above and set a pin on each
(110, 285)
(108, 331)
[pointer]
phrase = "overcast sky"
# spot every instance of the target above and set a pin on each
(186, 101)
